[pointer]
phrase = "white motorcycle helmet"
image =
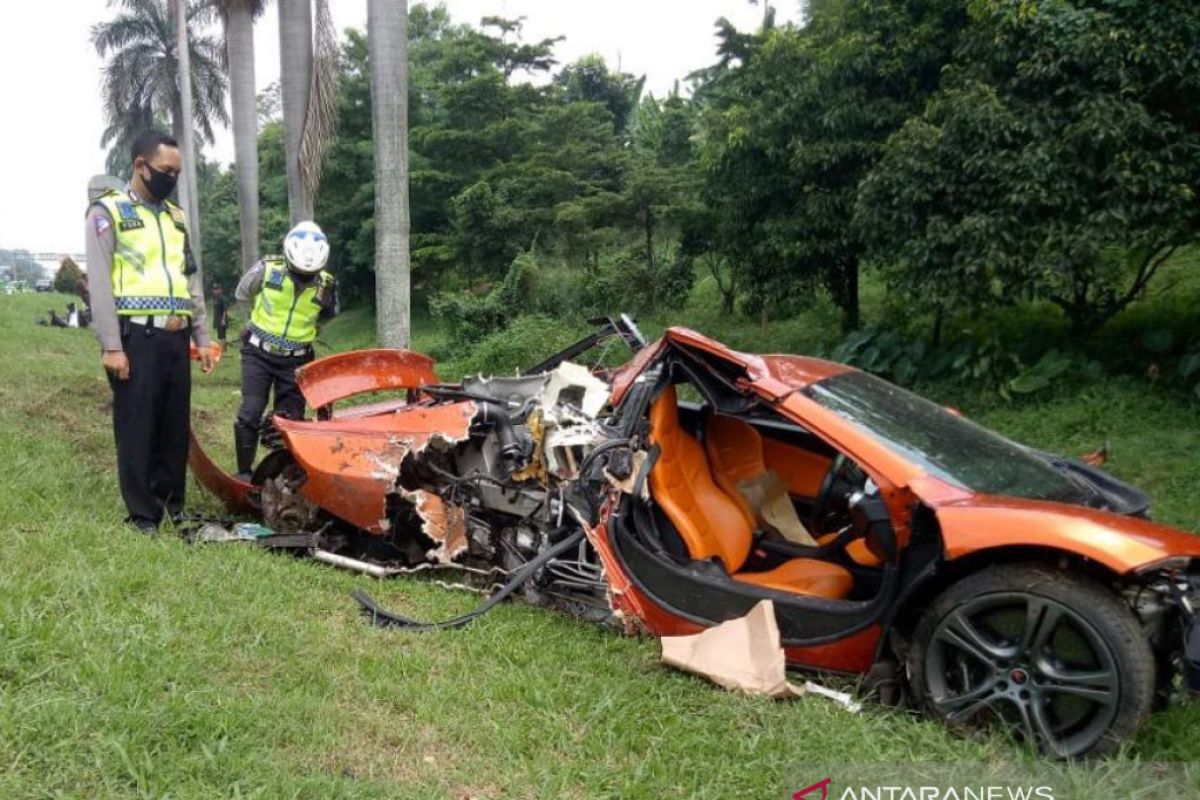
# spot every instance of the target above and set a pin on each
(306, 248)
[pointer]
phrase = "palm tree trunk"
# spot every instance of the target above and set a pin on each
(239, 49)
(295, 80)
(189, 193)
(387, 30)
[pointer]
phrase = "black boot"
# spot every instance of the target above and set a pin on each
(245, 444)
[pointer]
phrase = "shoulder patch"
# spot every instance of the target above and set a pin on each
(274, 277)
(126, 210)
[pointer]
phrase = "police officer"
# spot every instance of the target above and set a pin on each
(290, 296)
(147, 305)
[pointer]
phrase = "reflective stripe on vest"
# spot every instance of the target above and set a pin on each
(282, 316)
(149, 257)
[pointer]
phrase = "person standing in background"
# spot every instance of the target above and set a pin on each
(221, 315)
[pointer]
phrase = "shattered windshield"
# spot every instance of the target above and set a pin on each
(945, 445)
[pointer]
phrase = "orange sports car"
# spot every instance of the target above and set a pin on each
(977, 578)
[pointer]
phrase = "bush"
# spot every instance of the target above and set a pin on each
(469, 317)
(519, 345)
(68, 276)
(985, 363)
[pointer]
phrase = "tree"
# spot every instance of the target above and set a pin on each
(140, 84)
(309, 96)
(589, 79)
(387, 27)
(795, 119)
(189, 193)
(67, 278)
(295, 81)
(1061, 160)
(238, 17)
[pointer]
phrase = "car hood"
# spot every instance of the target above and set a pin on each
(971, 523)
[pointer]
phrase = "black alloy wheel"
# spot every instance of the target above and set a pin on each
(1055, 657)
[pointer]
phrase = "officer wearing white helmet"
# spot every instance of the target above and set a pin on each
(290, 296)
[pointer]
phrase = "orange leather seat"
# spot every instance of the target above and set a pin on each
(736, 453)
(712, 523)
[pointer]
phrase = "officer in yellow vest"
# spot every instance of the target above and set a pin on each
(147, 305)
(290, 295)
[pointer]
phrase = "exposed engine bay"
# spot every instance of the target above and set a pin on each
(514, 467)
(516, 483)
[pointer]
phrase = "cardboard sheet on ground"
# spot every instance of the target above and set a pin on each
(744, 655)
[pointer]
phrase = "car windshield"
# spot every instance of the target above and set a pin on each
(945, 445)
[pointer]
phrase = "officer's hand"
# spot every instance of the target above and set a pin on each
(116, 363)
(207, 362)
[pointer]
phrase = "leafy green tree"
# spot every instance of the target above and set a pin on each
(590, 80)
(1061, 160)
(222, 238)
(795, 120)
(68, 276)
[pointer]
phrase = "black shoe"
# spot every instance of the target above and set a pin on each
(143, 526)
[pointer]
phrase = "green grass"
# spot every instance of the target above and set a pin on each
(132, 667)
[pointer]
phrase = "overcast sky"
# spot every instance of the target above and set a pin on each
(51, 116)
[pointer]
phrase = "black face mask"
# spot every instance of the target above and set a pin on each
(161, 184)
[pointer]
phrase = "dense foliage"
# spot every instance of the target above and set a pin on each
(961, 155)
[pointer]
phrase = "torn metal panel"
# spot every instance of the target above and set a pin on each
(444, 523)
(344, 375)
(238, 496)
(353, 466)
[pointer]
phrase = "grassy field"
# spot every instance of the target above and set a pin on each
(132, 667)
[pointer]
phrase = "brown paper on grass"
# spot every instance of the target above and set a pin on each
(769, 499)
(744, 655)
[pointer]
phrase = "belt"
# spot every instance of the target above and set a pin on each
(254, 340)
(167, 322)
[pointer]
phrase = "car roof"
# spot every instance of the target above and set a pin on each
(797, 372)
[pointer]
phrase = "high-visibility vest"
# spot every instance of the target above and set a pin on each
(283, 316)
(149, 262)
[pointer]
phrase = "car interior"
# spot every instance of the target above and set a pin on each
(744, 494)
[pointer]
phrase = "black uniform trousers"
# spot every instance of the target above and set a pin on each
(151, 411)
(261, 372)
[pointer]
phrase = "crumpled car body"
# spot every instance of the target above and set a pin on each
(949, 567)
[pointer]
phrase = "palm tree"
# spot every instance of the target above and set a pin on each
(387, 29)
(189, 192)
(140, 83)
(295, 81)
(238, 18)
(308, 89)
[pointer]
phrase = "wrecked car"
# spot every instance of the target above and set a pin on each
(978, 579)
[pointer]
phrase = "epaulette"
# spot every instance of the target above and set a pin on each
(106, 194)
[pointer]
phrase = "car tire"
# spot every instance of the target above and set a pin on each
(1060, 657)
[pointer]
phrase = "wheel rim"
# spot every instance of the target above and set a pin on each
(1029, 660)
